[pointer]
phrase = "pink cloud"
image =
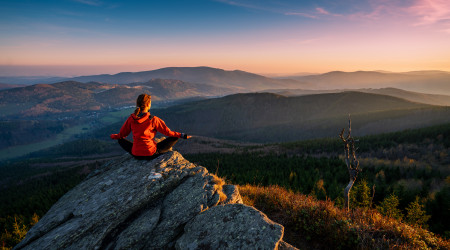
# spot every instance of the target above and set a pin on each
(322, 11)
(430, 11)
(315, 15)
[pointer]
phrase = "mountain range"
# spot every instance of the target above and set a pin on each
(293, 109)
(71, 96)
(432, 99)
(432, 82)
(237, 80)
(9, 86)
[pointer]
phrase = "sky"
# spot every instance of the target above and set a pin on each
(287, 37)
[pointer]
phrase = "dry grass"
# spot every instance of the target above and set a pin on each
(324, 226)
(216, 180)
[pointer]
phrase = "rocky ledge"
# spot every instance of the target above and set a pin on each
(166, 203)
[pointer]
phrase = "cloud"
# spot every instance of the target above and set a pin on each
(244, 5)
(322, 11)
(433, 13)
(314, 14)
(301, 14)
(89, 2)
(430, 11)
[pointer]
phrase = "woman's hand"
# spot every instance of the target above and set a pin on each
(114, 136)
(185, 136)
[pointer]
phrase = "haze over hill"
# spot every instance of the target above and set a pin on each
(434, 82)
(63, 110)
(70, 96)
(432, 99)
(268, 117)
(237, 80)
(9, 86)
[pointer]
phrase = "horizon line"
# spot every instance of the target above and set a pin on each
(268, 74)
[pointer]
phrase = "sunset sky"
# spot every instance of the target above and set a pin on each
(79, 37)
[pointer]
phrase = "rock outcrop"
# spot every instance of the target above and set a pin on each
(165, 203)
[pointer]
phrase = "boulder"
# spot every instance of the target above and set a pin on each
(160, 204)
(233, 226)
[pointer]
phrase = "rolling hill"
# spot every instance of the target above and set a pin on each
(9, 86)
(236, 80)
(433, 82)
(432, 99)
(71, 96)
(266, 117)
(30, 80)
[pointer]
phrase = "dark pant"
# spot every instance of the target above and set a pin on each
(161, 147)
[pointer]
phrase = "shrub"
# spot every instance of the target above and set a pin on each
(318, 224)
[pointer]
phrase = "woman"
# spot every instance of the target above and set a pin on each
(144, 127)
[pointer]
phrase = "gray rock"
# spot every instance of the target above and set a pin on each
(232, 226)
(131, 204)
(232, 193)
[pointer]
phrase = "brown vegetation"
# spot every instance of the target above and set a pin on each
(310, 223)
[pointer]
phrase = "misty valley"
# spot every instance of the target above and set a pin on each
(274, 137)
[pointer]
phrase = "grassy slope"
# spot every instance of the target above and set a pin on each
(313, 224)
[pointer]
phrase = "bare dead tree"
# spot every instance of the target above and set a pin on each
(350, 160)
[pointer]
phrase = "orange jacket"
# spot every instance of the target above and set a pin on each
(144, 130)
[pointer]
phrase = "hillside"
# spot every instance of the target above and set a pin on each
(236, 80)
(30, 80)
(433, 82)
(9, 86)
(72, 96)
(432, 99)
(310, 224)
(265, 117)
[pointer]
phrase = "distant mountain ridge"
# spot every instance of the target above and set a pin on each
(432, 99)
(9, 86)
(433, 82)
(237, 79)
(72, 96)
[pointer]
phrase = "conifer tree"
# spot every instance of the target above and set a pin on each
(361, 195)
(416, 215)
(389, 207)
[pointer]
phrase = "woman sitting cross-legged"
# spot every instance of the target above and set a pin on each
(144, 127)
